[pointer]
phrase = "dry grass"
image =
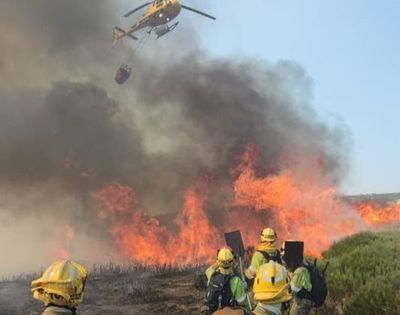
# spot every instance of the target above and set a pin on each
(117, 289)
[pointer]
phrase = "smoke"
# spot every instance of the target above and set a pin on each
(67, 129)
(199, 114)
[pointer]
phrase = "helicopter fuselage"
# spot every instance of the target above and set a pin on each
(159, 13)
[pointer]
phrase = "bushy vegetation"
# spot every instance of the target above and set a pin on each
(364, 275)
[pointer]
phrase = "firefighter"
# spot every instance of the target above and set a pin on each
(225, 290)
(271, 288)
(266, 250)
(301, 287)
(61, 287)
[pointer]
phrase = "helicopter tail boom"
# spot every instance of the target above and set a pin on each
(119, 33)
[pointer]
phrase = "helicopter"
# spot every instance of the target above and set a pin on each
(157, 17)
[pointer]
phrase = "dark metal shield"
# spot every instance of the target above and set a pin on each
(293, 255)
(234, 241)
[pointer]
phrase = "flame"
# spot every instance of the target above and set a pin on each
(299, 202)
(115, 198)
(298, 208)
(375, 215)
(198, 238)
(143, 239)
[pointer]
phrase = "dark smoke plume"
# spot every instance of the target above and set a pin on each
(65, 125)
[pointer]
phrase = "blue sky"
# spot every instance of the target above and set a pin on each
(351, 49)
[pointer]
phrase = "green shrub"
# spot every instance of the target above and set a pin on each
(364, 274)
(350, 243)
(378, 296)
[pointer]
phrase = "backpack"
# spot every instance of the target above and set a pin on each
(319, 289)
(219, 293)
(268, 256)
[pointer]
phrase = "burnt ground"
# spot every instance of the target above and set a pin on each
(117, 293)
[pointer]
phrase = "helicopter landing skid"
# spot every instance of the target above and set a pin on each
(163, 29)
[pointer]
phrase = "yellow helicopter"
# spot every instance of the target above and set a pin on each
(157, 17)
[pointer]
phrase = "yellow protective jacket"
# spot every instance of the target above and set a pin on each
(258, 258)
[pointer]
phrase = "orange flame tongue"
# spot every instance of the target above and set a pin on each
(115, 198)
(299, 208)
(374, 214)
(143, 239)
(197, 240)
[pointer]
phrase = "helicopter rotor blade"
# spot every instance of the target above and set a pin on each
(138, 8)
(198, 12)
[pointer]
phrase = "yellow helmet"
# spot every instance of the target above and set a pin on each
(268, 235)
(225, 257)
(61, 284)
(271, 284)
